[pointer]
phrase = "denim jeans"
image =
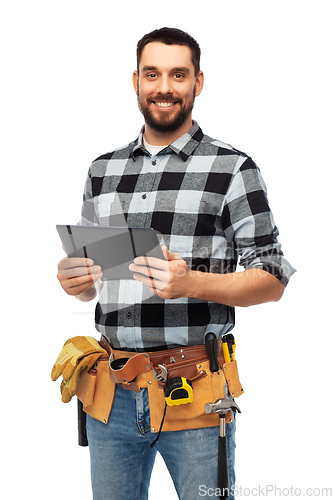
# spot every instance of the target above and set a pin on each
(122, 460)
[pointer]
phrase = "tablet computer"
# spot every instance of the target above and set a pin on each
(113, 248)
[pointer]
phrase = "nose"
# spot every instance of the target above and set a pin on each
(164, 85)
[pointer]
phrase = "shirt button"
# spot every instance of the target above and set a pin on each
(129, 315)
(153, 163)
(144, 196)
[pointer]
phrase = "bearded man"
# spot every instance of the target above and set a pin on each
(208, 201)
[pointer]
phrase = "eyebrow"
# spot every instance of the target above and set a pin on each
(180, 69)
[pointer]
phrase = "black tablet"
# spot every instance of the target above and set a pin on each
(112, 248)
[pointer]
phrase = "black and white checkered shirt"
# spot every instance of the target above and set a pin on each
(209, 202)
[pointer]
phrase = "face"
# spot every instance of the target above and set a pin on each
(166, 86)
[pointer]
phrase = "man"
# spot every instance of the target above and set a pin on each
(208, 201)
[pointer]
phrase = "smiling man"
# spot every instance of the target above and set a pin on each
(208, 200)
(166, 92)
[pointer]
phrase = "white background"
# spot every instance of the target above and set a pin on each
(67, 98)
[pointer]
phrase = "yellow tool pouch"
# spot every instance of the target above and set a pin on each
(96, 390)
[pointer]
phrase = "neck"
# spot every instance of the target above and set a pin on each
(162, 138)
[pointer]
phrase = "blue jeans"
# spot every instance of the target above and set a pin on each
(122, 460)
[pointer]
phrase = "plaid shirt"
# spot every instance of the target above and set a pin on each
(209, 203)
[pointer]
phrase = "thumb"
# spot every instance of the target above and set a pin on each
(169, 255)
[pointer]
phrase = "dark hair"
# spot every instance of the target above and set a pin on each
(170, 36)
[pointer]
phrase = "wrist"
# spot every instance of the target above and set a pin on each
(197, 284)
(212, 287)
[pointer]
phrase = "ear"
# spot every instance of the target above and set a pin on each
(135, 80)
(199, 83)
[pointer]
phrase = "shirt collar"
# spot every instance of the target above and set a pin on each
(183, 146)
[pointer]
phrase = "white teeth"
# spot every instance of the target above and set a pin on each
(164, 104)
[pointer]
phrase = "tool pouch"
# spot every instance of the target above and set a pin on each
(96, 390)
(124, 370)
(209, 387)
(230, 371)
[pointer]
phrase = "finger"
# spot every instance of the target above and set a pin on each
(74, 286)
(69, 262)
(170, 255)
(81, 271)
(153, 290)
(151, 262)
(165, 252)
(150, 272)
(76, 290)
(151, 282)
(157, 290)
(82, 280)
(77, 267)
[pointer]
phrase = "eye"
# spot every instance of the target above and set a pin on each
(178, 76)
(151, 75)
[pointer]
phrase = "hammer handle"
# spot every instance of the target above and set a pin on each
(81, 420)
(222, 469)
(211, 346)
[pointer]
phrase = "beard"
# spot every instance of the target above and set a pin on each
(160, 121)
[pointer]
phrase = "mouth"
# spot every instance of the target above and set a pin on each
(165, 104)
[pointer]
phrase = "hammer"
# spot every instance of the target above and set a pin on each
(221, 406)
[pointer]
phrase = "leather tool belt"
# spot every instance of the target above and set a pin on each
(135, 371)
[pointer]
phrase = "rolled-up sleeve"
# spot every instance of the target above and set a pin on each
(249, 225)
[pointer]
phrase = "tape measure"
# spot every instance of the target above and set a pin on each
(178, 391)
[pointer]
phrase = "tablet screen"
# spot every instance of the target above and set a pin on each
(112, 248)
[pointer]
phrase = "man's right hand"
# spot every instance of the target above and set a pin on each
(78, 275)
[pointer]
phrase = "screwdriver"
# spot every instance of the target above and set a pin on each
(228, 347)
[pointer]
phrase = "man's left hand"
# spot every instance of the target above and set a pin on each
(169, 279)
